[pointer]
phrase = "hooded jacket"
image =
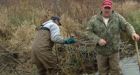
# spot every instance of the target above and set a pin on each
(111, 33)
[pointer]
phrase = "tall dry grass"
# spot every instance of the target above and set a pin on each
(19, 18)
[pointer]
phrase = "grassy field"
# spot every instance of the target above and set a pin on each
(19, 18)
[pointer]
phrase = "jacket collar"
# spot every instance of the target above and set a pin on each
(99, 16)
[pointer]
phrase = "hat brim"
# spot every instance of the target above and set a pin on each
(107, 6)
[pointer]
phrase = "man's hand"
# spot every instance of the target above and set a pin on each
(102, 42)
(135, 37)
(70, 40)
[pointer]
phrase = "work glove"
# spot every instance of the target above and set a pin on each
(70, 41)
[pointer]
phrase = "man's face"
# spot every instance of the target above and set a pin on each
(107, 11)
(57, 22)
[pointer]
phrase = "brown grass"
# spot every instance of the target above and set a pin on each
(19, 18)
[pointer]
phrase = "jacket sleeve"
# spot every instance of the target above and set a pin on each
(90, 31)
(125, 26)
(58, 39)
(55, 34)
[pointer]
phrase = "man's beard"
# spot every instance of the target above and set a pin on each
(107, 14)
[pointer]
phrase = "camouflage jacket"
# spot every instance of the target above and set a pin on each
(111, 33)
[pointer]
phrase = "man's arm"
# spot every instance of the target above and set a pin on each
(57, 38)
(125, 26)
(90, 33)
(55, 34)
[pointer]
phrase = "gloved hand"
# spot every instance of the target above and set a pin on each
(70, 41)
